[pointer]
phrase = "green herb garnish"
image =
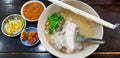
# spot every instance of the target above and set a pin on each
(54, 22)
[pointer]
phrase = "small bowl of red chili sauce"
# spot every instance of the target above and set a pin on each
(32, 10)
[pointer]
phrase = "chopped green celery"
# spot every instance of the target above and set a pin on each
(54, 20)
(50, 31)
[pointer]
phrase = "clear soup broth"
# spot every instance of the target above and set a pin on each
(85, 28)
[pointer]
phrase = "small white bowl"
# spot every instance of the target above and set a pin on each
(33, 10)
(98, 30)
(6, 19)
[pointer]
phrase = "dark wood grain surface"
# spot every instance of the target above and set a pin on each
(108, 10)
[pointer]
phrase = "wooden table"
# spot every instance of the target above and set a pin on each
(108, 10)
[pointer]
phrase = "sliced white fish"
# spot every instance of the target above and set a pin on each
(66, 37)
(70, 30)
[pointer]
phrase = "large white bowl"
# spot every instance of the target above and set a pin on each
(98, 29)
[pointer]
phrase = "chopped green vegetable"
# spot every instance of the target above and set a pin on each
(54, 20)
(50, 31)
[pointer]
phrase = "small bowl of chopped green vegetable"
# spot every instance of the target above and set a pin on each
(13, 25)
